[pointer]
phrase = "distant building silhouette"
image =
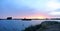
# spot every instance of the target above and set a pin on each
(9, 18)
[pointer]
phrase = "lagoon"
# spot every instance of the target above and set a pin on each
(19, 25)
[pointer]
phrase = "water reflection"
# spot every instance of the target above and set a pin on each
(18, 24)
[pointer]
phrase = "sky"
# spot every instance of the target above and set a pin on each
(29, 8)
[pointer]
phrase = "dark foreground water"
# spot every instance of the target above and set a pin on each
(18, 25)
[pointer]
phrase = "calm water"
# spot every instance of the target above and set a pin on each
(18, 25)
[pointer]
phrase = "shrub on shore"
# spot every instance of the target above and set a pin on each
(42, 26)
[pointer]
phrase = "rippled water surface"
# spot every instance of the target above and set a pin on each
(18, 25)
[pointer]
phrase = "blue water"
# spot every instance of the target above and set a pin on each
(18, 25)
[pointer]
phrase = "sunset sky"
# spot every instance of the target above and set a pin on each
(29, 8)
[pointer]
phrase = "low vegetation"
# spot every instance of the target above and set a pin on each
(42, 26)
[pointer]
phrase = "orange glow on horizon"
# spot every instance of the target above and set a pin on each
(38, 16)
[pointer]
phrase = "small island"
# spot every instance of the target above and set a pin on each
(26, 19)
(9, 18)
